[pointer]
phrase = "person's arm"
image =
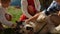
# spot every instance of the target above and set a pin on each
(32, 18)
(3, 20)
(52, 8)
(52, 5)
(24, 5)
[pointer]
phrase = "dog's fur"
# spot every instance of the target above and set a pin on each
(53, 20)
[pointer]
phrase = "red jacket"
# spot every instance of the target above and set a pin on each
(22, 17)
(32, 5)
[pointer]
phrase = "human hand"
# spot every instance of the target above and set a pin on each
(27, 21)
(41, 17)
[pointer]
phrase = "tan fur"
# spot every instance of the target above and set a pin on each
(37, 27)
(55, 20)
(52, 21)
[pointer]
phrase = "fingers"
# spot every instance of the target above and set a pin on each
(27, 21)
(41, 17)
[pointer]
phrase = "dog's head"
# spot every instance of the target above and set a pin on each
(24, 27)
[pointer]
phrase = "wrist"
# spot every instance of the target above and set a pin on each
(46, 12)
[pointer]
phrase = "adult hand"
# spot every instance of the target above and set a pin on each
(41, 17)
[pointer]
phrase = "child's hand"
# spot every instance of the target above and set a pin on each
(27, 21)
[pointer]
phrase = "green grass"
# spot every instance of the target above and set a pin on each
(15, 13)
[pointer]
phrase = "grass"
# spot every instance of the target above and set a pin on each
(15, 13)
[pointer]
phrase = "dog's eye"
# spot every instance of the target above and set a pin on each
(29, 28)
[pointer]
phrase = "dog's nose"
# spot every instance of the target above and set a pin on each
(29, 28)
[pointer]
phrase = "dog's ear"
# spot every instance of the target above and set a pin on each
(16, 21)
(19, 22)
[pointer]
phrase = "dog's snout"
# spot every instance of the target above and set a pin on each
(29, 28)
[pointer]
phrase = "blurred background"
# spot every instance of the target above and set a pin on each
(15, 9)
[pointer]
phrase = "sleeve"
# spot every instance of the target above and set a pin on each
(52, 7)
(24, 5)
(37, 5)
(3, 19)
